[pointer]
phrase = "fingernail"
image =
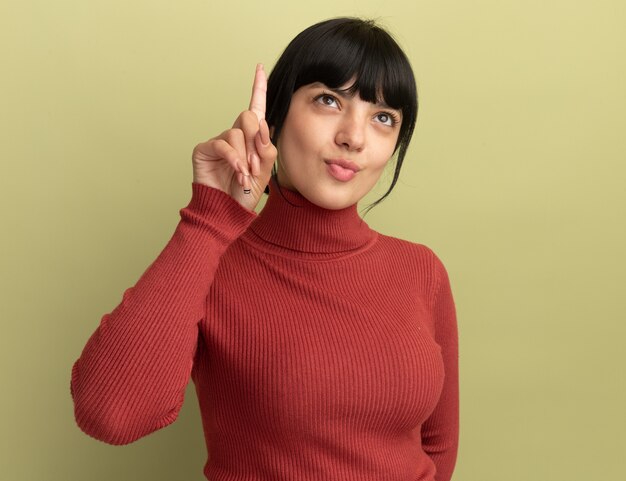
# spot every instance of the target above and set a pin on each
(254, 163)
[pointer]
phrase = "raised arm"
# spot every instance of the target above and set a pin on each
(131, 376)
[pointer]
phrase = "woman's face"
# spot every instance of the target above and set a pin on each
(323, 127)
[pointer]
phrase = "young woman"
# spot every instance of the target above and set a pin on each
(320, 349)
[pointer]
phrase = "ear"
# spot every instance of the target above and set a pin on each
(272, 129)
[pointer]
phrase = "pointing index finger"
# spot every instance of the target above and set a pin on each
(259, 92)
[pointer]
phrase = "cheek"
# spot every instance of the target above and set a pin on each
(384, 152)
(306, 132)
(302, 138)
(378, 169)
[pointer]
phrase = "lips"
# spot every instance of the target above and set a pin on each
(343, 170)
(346, 164)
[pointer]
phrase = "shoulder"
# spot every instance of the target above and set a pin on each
(409, 250)
(417, 258)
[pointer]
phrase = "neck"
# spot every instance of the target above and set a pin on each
(292, 223)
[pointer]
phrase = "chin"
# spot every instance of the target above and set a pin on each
(333, 205)
(331, 197)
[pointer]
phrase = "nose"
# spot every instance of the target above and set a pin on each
(351, 132)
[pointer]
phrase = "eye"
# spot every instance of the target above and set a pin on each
(326, 99)
(388, 118)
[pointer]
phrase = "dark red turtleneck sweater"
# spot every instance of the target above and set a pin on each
(319, 348)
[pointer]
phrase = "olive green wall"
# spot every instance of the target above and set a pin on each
(515, 178)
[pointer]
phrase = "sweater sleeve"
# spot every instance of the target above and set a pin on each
(131, 376)
(440, 432)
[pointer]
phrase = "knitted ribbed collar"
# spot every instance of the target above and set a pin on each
(307, 228)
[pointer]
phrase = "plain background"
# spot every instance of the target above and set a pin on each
(515, 178)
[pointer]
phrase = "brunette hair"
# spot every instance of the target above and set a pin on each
(333, 52)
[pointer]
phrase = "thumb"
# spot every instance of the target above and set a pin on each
(267, 151)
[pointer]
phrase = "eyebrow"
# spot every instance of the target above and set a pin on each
(345, 95)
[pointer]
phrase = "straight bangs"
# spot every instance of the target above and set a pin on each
(380, 68)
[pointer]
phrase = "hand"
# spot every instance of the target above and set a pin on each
(240, 158)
